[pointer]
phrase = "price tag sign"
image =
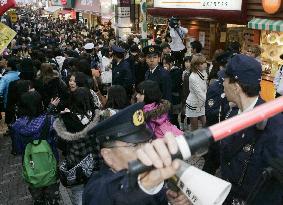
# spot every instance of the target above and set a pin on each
(6, 36)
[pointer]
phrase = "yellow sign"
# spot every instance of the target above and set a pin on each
(13, 15)
(6, 36)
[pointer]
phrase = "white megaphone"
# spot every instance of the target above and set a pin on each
(200, 187)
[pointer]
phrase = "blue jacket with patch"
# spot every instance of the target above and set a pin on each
(109, 188)
(235, 152)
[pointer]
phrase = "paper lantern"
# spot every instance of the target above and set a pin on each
(272, 6)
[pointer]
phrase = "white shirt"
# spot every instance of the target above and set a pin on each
(198, 89)
(152, 71)
(252, 105)
(177, 42)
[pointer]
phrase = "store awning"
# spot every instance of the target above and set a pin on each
(52, 9)
(266, 24)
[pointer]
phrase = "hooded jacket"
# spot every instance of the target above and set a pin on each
(156, 114)
(79, 144)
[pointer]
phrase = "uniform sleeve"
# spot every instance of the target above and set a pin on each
(184, 30)
(194, 87)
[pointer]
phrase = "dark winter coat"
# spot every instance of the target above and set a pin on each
(109, 188)
(162, 77)
(52, 89)
(78, 144)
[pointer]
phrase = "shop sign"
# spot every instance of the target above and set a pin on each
(56, 3)
(88, 5)
(124, 11)
(6, 36)
(124, 3)
(228, 5)
(272, 6)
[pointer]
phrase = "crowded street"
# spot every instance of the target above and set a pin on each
(141, 102)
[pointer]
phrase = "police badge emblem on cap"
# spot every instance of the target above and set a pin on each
(138, 118)
(151, 49)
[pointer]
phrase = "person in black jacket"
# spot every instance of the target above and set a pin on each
(72, 127)
(121, 71)
(156, 72)
(176, 78)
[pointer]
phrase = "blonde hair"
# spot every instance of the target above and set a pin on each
(197, 60)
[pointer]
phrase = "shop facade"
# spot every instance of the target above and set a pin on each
(88, 12)
(265, 20)
(208, 21)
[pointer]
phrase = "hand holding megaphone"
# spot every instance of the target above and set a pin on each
(198, 186)
(158, 155)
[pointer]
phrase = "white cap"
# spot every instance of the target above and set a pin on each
(89, 46)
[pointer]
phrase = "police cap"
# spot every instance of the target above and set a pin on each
(151, 50)
(127, 125)
(223, 58)
(245, 69)
(118, 49)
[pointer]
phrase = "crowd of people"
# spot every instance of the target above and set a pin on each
(100, 104)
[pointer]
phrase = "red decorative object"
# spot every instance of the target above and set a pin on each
(63, 2)
(5, 5)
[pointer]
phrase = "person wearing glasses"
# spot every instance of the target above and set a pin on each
(118, 146)
(119, 137)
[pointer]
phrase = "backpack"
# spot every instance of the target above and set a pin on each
(160, 130)
(39, 162)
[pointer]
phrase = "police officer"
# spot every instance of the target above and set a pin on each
(119, 137)
(245, 154)
(156, 72)
(216, 107)
(121, 71)
(216, 104)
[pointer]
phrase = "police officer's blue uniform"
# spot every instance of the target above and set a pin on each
(235, 152)
(121, 72)
(246, 154)
(216, 107)
(159, 75)
(109, 188)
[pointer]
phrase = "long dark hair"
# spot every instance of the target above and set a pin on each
(31, 104)
(151, 91)
(117, 97)
(81, 102)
